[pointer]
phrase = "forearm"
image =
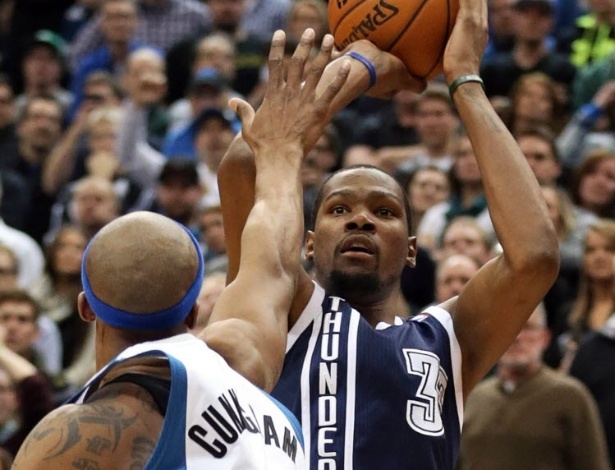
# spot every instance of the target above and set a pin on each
(236, 177)
(59, 165)
(278, 205)
(15, 365)
(518, 210)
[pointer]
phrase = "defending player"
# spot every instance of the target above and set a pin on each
(175, 403)
(373, 397)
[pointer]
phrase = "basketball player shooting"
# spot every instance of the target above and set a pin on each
(372, 391)
(166, 399)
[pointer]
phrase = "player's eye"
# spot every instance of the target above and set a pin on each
(338, 210)
(384, 212)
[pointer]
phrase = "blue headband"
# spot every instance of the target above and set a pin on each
(160, 320)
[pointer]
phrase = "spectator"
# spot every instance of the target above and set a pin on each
(263, 17)
(143, 78)
(501, 29)
(18, 318)
(118, 25)
(162, 23)
(43, 70)
(32, 389)
(208, 90)
(591, 127)
(452, 274)
(317, 164)
(528, 416)
(212, 72)
(39, 128)
(306, 14)
(48, 345)
(467, 199)
(26, 18)
(27, 252)
(228, 38)
(591, 78)
(179, 191)
(538, 146)
(436, 121)
(211, 231)
(93, 204)
(388, 136)
(594, 38)
(593, 185)
(464, 235)
(593, 365)
(426, 187)
(101, 162)
(67, 160)
(532, 52)
(56, 293)
(77, 15)
(537, 101)
(571, 223)
(595, 300)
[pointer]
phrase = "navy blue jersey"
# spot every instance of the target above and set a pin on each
(373, 398)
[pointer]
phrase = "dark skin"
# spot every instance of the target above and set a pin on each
(119, 425)
(362, 222)
(495, 304)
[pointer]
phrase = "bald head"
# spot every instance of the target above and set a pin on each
(146, 57)
(141, 262)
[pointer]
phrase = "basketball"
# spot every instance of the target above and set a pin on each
(416, 31)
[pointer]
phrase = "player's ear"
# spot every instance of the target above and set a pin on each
(412, 249)
(190, 320)
(85, 311)
(309, 245)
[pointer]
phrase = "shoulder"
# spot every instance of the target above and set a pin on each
(567, 387)
(120, 423)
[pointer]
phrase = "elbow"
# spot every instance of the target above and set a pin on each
(241, 346)
(542, 259)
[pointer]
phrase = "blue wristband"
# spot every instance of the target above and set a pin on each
(590, 113)
(368, 65)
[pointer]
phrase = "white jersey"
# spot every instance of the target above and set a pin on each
(215, 419)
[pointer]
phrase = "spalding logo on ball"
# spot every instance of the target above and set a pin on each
(416, 31)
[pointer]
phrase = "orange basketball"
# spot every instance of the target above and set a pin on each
(416, 31)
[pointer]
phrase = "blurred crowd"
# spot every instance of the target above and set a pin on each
(113, 106)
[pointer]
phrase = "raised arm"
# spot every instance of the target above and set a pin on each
(60, 164)
(497, 301)
(248, 325)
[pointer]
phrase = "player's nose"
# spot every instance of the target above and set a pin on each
(361, 220)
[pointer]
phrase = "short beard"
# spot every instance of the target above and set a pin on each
(353, 286)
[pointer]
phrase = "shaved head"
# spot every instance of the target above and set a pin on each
(141, 262)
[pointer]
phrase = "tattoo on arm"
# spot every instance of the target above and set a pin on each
(97, 445)
(142, 449)
(85, 464)
(111, 420)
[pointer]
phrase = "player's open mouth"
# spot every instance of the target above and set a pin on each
(358, 244)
